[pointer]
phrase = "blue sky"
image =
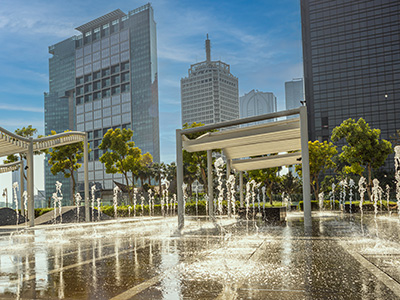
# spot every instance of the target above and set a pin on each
(261, 40)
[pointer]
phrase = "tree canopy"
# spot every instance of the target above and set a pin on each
(320, 156)
(269, 177)
(364, 149)
(121, 156)
(65, 159)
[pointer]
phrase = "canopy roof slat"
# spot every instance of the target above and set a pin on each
(267, 162)
(267, 147)
(10, 143)
(10, 167)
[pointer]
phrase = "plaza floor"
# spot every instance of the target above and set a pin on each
(343, 257)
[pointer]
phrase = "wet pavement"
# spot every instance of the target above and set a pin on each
(342, 257)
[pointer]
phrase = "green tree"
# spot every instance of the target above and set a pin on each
(121, 156)
(158, 173)
(364, 149)
(65, 159)
(320, 156)
(290, 184)
(269, 177)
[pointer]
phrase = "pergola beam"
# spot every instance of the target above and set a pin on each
(11, 143)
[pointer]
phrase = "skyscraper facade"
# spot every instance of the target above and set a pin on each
(294, 93)
(104, 78)
(256, 103)
(351, 52)
(210, 93)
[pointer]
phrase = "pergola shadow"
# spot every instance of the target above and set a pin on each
(11, 143)
(288, 138)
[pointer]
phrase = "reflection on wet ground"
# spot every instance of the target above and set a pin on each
(342, 257)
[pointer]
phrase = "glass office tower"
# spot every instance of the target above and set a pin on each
(351, 53)
(114, 84)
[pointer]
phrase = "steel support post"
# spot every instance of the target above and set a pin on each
(305, 166)
(30, 188)
(22, 187)
(241, 187)
(86, 177)
(210, 184)
(179, 180)
(228, 173)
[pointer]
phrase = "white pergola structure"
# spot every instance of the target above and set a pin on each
(10, 143)
(240, 144)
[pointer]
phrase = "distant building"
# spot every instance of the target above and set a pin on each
(210, 93)
(105, 78)
(256, 103)
(351, 53)
(294, 93)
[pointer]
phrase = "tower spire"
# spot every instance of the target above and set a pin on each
(208, 49)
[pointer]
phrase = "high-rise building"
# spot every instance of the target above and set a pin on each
(351, 52)
(256, 103)
(294, 93)
(104, 78)
(210, 93)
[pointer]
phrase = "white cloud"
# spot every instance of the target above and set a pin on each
(19, 107)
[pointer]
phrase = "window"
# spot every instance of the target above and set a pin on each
(88, 78)
(79, 80)
(115, 79)
(106, 72)
(115, 69)
(96, 75)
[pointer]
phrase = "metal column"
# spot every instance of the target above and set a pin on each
(30, 188)
(179, 179)
(228, 173)
(305, 166)
(86, 177)
(22, 187)
(210, 184)
(241, 187)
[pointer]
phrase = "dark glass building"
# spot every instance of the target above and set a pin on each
(105, 78)
(351, 52)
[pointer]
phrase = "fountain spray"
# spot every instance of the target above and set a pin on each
(116, 191)
(15, 187)
(184, 187)
(166, 182)
(134, 201)
(25, 196)
(93, 192)
(321, 200)
(231, 193)
(388, 198)
(78, 199)
(150, 203)
(248, 185)
(196, 190)
(333, 196)
(362, 187)
(218, 167)
(263, 194)
(351, 186)
(397, 175)
(376, 194)
(98, 209)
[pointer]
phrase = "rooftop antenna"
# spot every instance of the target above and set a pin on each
(208, 49)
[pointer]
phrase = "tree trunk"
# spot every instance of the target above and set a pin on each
(73, 187)
(204, 177)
